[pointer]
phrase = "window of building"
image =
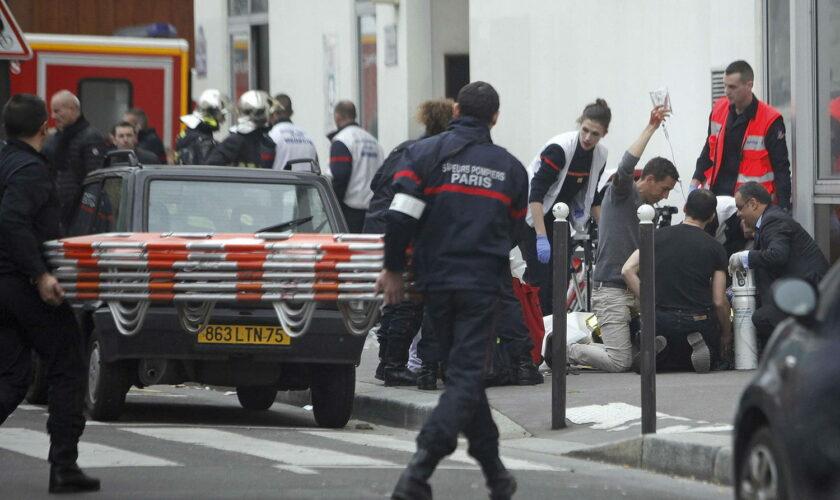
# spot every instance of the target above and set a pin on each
(828, 88)
(367, 106)
(777, 43)
(248, 26)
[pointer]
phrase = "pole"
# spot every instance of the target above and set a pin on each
(558, 336)
(648, 333)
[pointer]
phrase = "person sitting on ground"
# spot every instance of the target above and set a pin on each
(690, 282)
(612, 302)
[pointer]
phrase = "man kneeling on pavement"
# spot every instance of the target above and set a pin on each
(692, 311)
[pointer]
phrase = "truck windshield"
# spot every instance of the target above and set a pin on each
(184, 205)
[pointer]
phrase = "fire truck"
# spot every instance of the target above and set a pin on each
(110, 75)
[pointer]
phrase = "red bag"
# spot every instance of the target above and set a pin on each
(529, 297)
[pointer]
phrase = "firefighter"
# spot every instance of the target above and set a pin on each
(248, 144)
(463, 199)
(196, 142)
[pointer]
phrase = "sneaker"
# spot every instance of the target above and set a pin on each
(659, 343)
(700, 357)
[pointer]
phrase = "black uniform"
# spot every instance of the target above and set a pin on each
(29, 215)
(73, 152)
(194, 145)
(475, 201)
(254, 149)
(149, 140)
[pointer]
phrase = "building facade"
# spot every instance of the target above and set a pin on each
(547, 59)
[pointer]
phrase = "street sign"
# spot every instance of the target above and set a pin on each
(12, 43)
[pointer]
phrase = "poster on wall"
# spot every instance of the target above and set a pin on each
(200, 53)
(330, 80)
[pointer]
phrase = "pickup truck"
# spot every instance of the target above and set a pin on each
(243, 345)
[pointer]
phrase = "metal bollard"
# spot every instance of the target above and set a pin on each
(648, 302)
(743, 306)
(558, 335)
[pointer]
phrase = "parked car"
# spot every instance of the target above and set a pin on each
(257, 357)
(787, 429)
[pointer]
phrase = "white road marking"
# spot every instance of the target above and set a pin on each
(614, 417)
(91, 455)
(286, 453)
(390, 443)
(295, 469)
(31, 408)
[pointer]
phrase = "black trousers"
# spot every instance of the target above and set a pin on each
(355, 218)
(464, 324)
(27, 322)
(542, 275)
(675, 325)
(397, 328)
(511, 328)
(766, 318)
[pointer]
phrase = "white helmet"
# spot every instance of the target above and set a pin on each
(212, 103)
(255, 107)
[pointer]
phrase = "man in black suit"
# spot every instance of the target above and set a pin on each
(782, 249)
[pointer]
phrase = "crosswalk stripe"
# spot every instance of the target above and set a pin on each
(389, 443)
(296, 469)
(31, 407)
(37, 444)
(287, 453)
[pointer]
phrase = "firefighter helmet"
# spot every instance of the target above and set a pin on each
(255, 107)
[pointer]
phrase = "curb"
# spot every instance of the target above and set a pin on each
(706, 457)
(404, 407)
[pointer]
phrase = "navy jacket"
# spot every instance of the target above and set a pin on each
(475, 195)
(783, 249)
(382, 186)
(254, 149)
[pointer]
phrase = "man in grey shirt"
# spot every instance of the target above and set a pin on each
(618, 237)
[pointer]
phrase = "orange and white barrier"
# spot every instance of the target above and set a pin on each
(193, 271)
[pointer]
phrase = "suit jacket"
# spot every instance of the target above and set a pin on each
(783, 249)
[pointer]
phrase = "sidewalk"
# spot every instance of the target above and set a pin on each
(695, 414)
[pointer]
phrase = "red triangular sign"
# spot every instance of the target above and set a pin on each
(12, 43)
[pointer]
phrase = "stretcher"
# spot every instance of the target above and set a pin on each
(193, 271)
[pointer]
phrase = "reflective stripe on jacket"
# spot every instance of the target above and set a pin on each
(755, 160)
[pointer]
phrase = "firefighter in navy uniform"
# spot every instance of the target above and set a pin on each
(33, 313)
(196, 142)
(248, 144)
(462, 200)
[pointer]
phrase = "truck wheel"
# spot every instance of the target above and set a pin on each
(256, 397)
(107, 384)
(37, 393)
(333, 389)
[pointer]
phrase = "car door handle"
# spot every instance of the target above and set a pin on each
(788, 365)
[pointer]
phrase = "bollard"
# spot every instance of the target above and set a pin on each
(558, 335)
(743, 306)
(648, 303)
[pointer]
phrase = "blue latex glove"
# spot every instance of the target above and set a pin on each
(692, 187)
(543, 249)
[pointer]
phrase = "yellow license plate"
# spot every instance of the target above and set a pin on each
(244, 334)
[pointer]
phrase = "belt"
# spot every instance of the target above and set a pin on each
(611, 284)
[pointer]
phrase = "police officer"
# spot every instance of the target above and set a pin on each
(196, 142)
(462, 199)
(33, 313)
(248, 144)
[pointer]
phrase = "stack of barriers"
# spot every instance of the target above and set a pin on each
(193, 271)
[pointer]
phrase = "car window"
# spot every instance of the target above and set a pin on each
(107, 217)
(184, 205)
(86, 213)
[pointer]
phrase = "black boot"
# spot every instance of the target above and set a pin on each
(527, 373)
(414, 481)
(397, 374)
(71, 479)
(379, 374)
(427, 377)
(500, 482)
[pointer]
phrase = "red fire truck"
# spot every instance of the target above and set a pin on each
(110, 75)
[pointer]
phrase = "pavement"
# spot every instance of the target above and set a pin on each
(694, 417)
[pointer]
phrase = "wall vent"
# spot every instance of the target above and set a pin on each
(717, 85)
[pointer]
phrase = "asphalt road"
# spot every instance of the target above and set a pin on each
(182, 442)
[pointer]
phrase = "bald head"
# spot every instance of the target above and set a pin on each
(65, 109)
